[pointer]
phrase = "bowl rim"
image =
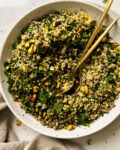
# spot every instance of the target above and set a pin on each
(3, 45)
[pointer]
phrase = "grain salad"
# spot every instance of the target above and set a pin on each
(42, 61)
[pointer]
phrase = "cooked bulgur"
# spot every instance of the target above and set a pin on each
(42, 61)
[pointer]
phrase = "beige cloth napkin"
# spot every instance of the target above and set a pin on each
(9, 141)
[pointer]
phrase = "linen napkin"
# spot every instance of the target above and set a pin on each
(9, 141)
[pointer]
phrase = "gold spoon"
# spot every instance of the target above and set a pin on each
(74, 85)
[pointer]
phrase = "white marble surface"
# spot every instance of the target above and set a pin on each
(10, 11)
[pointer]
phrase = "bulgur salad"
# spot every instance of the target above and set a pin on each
(43, 58)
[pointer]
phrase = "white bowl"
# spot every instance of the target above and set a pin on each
(6, 53)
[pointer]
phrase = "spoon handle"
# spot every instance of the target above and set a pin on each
(97, 42)
(97, 27)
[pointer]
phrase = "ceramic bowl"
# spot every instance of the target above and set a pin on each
(5, 53)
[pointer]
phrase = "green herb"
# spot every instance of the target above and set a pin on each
(115, 58)
(42, 97)
(10, 81)
(74, 23)
(83, 119)
(19, 40)
(97, 86)
(23, 106)
(25, 102)
(9, 89)
(47, 26)
(111, 70)
(68, 84)
(14, 46)
(109, 78)
(92, 26)
(76, 42)
(64, 32)
(87, 124)
(57, 108)
(50, 18)
(106, 85)
(30, 57)
(75, 12)
(88, 25)
(43, 63)
(71, 108)
(6, 64)
(117, 77)
(94, 96)
(55, 12)
(50, 73)
(85, 35)
(111, 56)
(50, 35)
(69, 28)
(47, 90)
(31, 109)
(29, 30)
(93, 23)
(69, 79)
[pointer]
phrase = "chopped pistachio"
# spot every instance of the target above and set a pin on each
(18, 123)
(86, 89)
(70, 127)
(27, 45)
(89, 141)
(30, 51)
